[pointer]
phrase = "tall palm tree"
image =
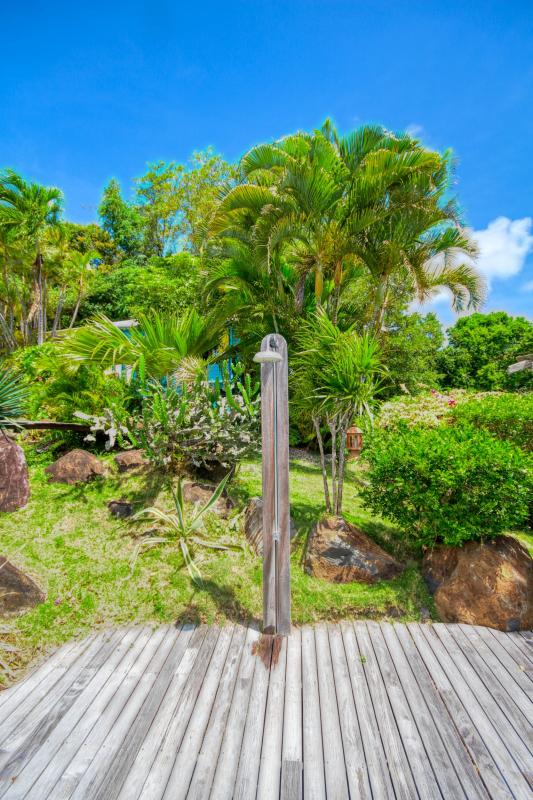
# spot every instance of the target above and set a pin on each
(329, 203)
(80, 271)
(31, 210)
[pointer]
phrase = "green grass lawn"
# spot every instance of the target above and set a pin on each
(86, 562)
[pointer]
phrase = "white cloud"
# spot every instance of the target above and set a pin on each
(503, 247)
(415, 130)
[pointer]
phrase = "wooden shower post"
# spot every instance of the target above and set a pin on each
(276, 515)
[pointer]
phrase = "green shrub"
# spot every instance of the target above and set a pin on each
(56, 393)
(507, 416)
(449, 484)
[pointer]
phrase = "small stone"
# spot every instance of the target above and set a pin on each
(122, 509)
(14, 480)
(341, 553)
(78, 466)
(483, 583)
(18, 592)
(253, 524)
(130, 459)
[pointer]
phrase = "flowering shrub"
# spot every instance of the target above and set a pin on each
(448, 484)
(424, 410)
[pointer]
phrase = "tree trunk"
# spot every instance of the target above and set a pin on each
(332, 424)
(75, 312)
(7, 334)
(342, 463)
(59, 309)
(316, 423)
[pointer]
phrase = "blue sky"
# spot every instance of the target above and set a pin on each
(91, 90)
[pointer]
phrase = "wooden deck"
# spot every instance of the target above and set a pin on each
(362, 710)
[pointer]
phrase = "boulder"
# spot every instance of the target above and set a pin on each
(130, 459)
(339, 552)
(253, 524)
(483, 583)
(14, 481)
(122, 509)
(18, 592)
(199, 494)
(78, 466)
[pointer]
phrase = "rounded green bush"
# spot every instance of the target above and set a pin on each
(507, 416)
(449, 484)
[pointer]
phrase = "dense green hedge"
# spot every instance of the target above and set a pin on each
(448, 484)
(506, 416)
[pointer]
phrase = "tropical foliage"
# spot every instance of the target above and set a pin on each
(337, 377)
(13, 396)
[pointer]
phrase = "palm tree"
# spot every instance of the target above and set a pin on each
(328, 204)
(337, 377)
(159, 346)
(78, 266)
(31, 210)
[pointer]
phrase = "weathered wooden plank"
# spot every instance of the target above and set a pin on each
(508, 642)
(399, 766)
(54, 769)
(406, 658)
(228, 758)
(510, 723)
(292, 751)
(421, 766)
(132, 786)
(270, 764)
(31, 769)
(375, 756)
(32, 710)
(487, 663)
(250, 755)
(334, 764)
(19, 750)
(40, 674)
(158, 776)
(102, 762)
(40, 683)
(313, 754)
(206, 762)
(450, 681)
(354, 754)
(184, 764)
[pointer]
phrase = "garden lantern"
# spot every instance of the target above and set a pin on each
(354, 442)
(275, 449)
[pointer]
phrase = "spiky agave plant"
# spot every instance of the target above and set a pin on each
(184, 530)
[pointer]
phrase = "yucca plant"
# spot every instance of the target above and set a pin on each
(13, 396)
(185, 530)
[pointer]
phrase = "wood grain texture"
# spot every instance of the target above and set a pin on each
(275, 426)
(356, 710)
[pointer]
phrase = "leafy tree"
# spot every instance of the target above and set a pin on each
(168, 285)
(30, 211)
(411, 350)
(160, 196)
(92, 238)
(121, 220)
(481, 347)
